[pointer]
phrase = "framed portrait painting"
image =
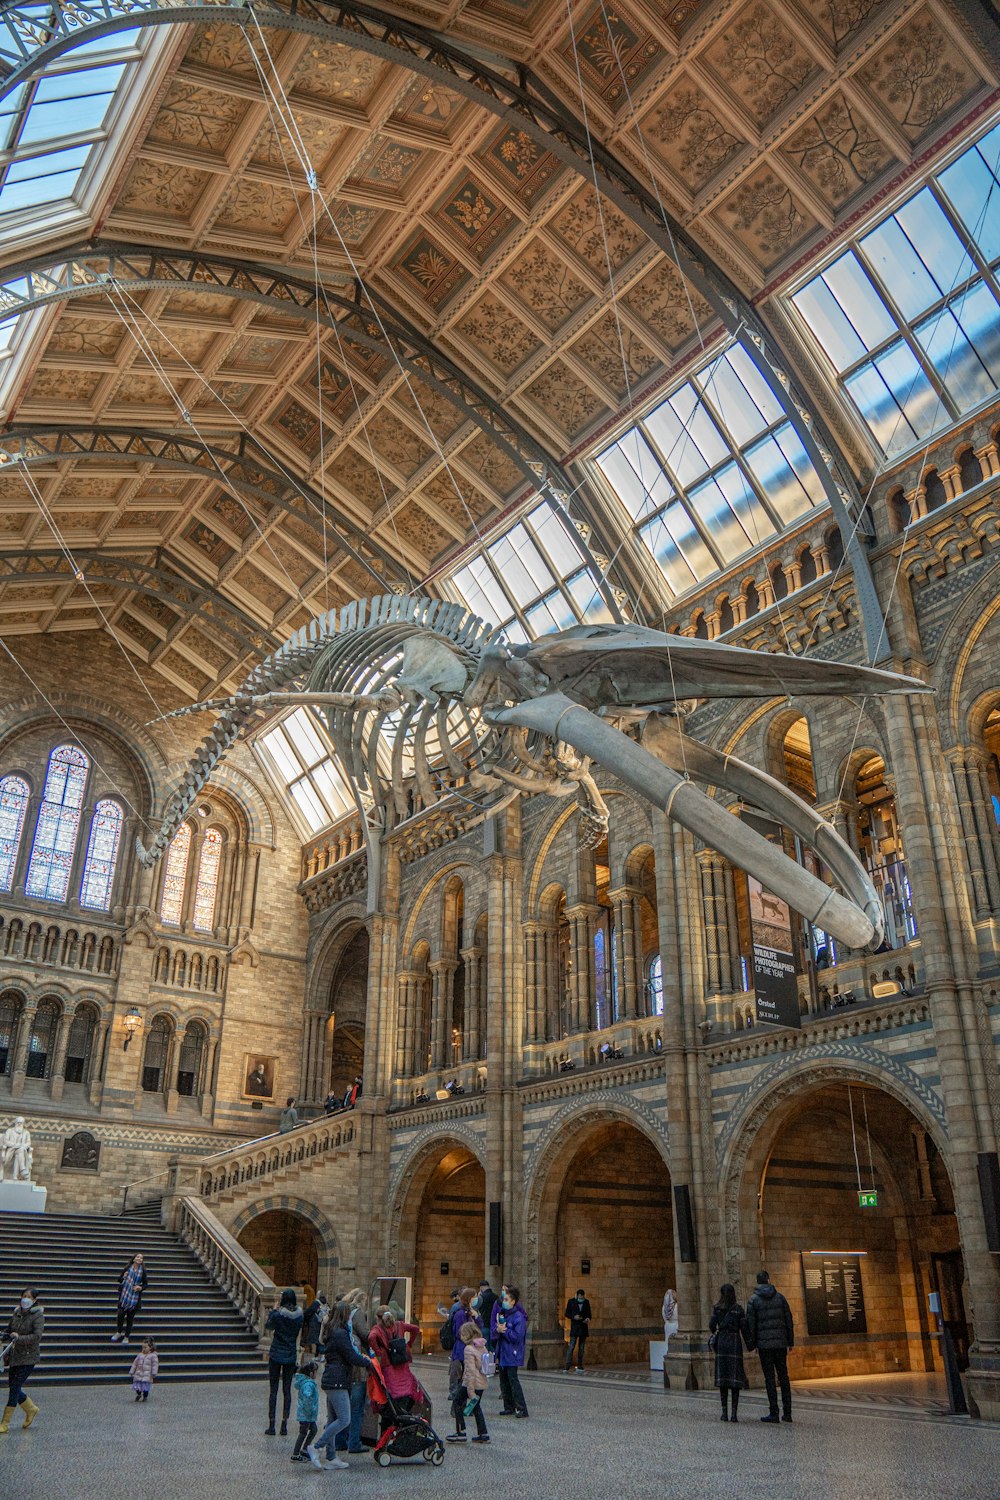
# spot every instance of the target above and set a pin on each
(259, 1076)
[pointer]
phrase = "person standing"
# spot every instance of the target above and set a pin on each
(772, 1334)
(483, 1303)
(460, 1314)
(145, 1368)
(511, 1325)
(359, 1329)
(391, 1341)
(131, 1284)
(289, 1117)
(306, 1408)
(340, 1356)
(312, 1317)
(728, 1325)
(24, 1334)
(469, 1397)
(579, 1315)
(284, 1323)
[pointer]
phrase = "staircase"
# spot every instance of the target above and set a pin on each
(74, 1262)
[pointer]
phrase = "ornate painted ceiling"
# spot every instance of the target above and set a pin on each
(764, 126)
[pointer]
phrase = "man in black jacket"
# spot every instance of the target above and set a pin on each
(772, 1334)
(578, 1312)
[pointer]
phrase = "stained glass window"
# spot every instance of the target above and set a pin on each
(58, 823)
(14, 794)
(174, 876)
(102, 856)
(656, 987)
(208, 880)
(908, 316)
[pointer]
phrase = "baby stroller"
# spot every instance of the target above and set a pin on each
(409, 1434)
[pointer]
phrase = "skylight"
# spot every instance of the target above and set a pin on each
(711, 472)
(532, 580)
(299, 756)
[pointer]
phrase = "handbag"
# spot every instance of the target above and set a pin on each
(713, 1341)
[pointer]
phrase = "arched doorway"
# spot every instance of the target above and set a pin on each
(442, 1237)
(605, 1223)
(348, 1004)
(286, 1246)
(855, 1222)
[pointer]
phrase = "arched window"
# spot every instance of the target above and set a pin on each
(14, 794)
(156, 1055)
(41, 1044)
(80, 1045)
(190, 1062)
(102, 856)
(174, 876)
(656, 987)
(208, 880)
(58, 824)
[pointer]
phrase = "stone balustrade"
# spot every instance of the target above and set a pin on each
(250, 1291)
(255, 1161)
(191, 969)
(61, 945)
(344, 840)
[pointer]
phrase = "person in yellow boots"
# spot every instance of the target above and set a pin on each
(23, 1337)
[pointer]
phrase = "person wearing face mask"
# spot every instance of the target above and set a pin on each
(391, 1341)
(131, 1284)
(510, 1323)
(483, 1304)
(24, 1335)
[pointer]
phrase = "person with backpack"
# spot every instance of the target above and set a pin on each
(511, 1330)
(391, 1342)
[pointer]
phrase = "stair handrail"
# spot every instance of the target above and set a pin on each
(249, 1289)
(230, 1169)
(131, 1186)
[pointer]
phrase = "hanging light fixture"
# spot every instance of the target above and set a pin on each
(132, 1021)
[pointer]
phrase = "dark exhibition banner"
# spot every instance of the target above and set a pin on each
(774, 978)
(835, 1297)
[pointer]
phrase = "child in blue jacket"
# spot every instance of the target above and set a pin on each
(307, 1409)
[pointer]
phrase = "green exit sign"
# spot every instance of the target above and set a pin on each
(868, 1198)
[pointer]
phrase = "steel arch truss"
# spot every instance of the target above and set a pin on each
(244, 635)
(363, 318)
(249, 471)
(29, 39)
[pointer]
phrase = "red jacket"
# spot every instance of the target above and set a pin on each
(399, 1380)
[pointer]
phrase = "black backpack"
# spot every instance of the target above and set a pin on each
(398, 1352)
(447, 1334)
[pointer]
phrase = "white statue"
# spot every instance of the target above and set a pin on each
(669, 1314)
(15, 1151)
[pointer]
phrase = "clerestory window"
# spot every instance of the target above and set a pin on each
(58, 824)
(711, 472)
(299, 756)
(14, 795)
(102, 855)
(908, 316)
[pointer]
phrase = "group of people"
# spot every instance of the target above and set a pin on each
(333, 1101)
(765, 1325)
(482, 1330)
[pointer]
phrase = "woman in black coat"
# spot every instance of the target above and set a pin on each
(729, 1333)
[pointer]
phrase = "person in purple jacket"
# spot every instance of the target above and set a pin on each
(511, 1331)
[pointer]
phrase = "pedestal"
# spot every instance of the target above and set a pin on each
(22, 1198)
(657, 1349)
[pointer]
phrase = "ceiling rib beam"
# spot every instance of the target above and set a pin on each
(511, 91)
(122, 571)
(368, 319)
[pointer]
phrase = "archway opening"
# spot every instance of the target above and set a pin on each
(445, 1222)
(285, 1245)
(857, 1258)
(606, 1224)
(348, 1006)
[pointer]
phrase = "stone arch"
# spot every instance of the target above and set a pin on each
(328, 949)
(957, 648)
(144, 755)
(410, 1182)
(788, 1078)
(329, 1256)
(549, 1167)
(434, 885)
(243, 791)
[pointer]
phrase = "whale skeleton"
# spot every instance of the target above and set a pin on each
(425, 703)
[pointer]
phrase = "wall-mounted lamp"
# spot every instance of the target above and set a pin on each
(132, 1021)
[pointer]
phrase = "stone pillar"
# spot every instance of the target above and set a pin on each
(471, 1033)
(627, 950)
(708, 863)
(95, 1089)
(505, 989)
(582, 977)
(19, 1070)
(968, 769)
(965, 1055)
(534, 982)
(407, 983)
(57, 1072)
(442, 1003)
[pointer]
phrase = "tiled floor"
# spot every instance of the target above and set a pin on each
(587, 1437)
